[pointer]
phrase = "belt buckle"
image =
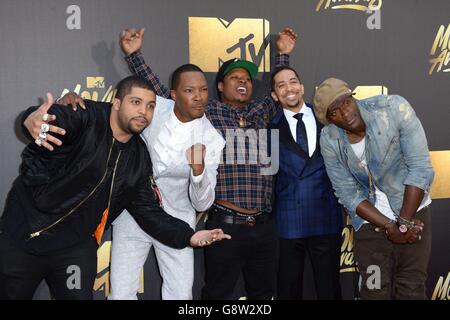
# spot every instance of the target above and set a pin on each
(251, 221)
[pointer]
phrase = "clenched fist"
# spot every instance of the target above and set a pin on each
(196, 158)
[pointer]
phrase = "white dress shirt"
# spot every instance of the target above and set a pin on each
(310, 125)
(167, 139)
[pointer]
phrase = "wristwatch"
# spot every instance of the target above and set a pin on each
(403, 228)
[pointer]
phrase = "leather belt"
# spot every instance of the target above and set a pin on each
(227, 215)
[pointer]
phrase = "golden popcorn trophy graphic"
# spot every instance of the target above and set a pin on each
(214, 40)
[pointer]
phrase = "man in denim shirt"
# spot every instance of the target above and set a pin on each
(377, 158)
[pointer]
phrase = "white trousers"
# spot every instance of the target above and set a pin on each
(130, 248)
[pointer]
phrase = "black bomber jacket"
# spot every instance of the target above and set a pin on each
(54, 188)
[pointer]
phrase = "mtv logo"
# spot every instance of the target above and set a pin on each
(95, 82)
(214, 40)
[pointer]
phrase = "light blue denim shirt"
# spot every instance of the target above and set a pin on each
(396, 152)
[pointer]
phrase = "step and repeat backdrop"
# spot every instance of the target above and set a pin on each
(377, 46)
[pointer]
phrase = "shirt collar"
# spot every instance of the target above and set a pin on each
(304, 109)
(174, 123)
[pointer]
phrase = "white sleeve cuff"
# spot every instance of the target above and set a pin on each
(197, 179)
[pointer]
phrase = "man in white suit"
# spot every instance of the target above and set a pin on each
(185, 150)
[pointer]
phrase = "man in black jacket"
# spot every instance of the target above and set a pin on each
(63, 200)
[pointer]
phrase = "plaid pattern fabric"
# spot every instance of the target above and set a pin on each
(305, 205)
(137, 65)
(239, 178)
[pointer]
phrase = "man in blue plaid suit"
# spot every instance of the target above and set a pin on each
(308, 216)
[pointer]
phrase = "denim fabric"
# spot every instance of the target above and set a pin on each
(396, 151)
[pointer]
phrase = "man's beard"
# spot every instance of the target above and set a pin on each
(134, 130)
(130, 128)
(296, 105)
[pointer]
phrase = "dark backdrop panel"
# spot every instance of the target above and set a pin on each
(39, 54)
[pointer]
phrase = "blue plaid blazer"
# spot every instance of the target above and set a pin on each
(304, 201)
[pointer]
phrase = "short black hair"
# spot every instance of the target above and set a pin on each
(125, 85)
(278, 70)
(175, 79)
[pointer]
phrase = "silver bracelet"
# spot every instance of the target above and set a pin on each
(408, 223)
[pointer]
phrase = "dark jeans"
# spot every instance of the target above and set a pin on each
(252, 250)
(21, 272)
(403, 267)
(324, 253)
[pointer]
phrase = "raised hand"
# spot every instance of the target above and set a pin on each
(73, 99)
(131, 40)
(286, 41)
(196, 158)
(206, 237)
(37, 124)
